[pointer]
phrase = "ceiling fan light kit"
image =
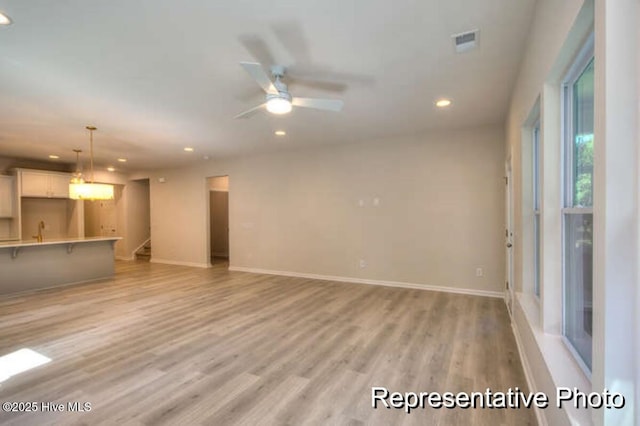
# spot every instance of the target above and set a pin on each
(278, 105)
(4, 19)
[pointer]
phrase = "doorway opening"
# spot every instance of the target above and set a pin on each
(219, 220)
(100, 217)
(138, 220)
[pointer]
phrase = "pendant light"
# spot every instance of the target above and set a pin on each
(81, 190)
(76, 177)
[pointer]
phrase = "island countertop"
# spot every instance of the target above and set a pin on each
(33, 242)
(28, 265)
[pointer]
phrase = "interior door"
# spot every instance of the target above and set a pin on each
(508, 237)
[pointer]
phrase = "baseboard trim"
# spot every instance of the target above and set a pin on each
(401, 284)
(124, 258)
(178, 263)
(528, 374)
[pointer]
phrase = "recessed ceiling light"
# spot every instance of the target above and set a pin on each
(188, 149)
(280, 133)
(443, 103)
(122, 160)
(111, 169)
(4, 19)
(54, 157)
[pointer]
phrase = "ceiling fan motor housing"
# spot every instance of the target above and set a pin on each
(277, 71)
(279, 85)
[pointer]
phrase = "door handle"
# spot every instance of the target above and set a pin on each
(509, 245)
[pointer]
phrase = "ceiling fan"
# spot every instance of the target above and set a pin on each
(278, 99)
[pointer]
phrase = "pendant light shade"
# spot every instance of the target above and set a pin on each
(81, 190)
(90, 191)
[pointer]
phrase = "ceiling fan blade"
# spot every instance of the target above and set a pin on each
(291, 36)
(258, 73)
(315, 72)
(326, 104)
(258, 49)
(248, 113)
(326, 86)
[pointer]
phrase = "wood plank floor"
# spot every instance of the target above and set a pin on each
(175, 345)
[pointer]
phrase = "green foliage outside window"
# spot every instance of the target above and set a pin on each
(583, 190)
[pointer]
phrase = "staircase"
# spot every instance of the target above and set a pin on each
(144, 252)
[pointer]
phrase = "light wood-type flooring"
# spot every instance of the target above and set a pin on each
(175, 345)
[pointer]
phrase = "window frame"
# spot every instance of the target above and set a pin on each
(575, 71)
(537, 197)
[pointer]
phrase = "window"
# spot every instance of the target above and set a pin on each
(536, 207)
(578, 118)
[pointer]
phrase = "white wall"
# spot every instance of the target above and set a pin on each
(179, 216)
(102, 176)
(559, 29)
(440, 212)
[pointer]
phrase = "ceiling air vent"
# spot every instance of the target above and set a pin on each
(465, 41)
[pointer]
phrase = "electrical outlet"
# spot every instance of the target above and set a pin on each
(362, 263)
(479, 272)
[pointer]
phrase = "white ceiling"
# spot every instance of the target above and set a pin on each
(157, 75)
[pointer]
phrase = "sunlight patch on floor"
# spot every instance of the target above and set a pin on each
(20, 361)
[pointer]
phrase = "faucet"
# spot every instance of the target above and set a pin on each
(40, 229)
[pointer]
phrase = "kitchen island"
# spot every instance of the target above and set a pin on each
(31, 265)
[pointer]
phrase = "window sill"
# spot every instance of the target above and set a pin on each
(563, 369)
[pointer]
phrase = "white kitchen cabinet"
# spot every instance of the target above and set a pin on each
(7, 196)
(36, 183)
(59, 185)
